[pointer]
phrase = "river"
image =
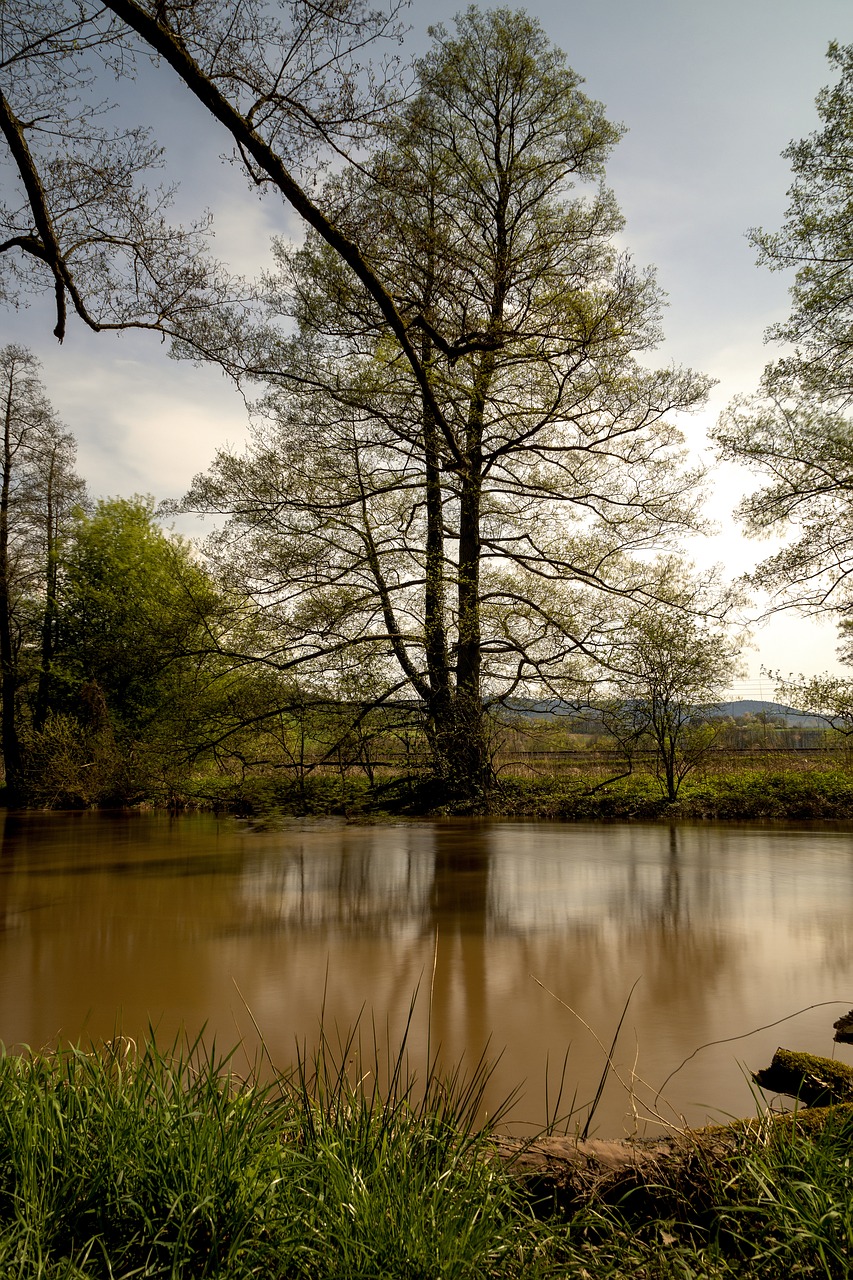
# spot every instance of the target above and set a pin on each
(521, 939)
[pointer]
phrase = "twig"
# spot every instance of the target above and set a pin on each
(821, 1004)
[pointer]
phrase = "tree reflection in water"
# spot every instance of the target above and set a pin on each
(114, 920)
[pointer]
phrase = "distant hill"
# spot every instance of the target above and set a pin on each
(753, 707)
(775, 710)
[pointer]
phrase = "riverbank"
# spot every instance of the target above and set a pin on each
(736, 795)
(123, 1162)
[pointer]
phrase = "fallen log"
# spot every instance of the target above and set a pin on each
(660, 1172)
(814, 1081)
(574, 1171)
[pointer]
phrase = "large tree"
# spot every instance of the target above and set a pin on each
(797, 431)
(455, 526)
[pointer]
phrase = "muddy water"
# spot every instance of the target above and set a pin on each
(524, 939)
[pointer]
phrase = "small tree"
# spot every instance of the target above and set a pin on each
(670, 669)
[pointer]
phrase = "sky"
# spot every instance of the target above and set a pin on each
(710, 94)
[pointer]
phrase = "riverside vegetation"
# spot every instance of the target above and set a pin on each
(128, 1161)
(744, 795)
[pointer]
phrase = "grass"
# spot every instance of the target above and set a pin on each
(739, 795)
(128, 1163)
(121, 1163)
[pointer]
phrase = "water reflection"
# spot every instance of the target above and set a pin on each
(108, 920)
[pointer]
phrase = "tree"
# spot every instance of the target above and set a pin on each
(669, 669)
(798, 429)
(456, 525)
(136, 675)
(54, 493)
(817, 241)
(38, 490)
(136, 611)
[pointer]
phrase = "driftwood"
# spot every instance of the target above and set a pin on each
(574, 1171)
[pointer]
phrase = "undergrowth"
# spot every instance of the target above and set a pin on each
(738, 795)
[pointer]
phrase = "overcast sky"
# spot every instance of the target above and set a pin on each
(710, 94)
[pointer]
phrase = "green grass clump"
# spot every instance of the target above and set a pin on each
(789, 1201)
(117, 1164)
(774, 1199)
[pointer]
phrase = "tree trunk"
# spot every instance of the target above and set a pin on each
(440, 701)
(8, 665)
(48, 627)
(471, 773)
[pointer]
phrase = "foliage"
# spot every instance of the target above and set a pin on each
(829, 697)
(817, 241)
(136, 679)
(736, 795)
(807, 449)
(69, 764)
(135, 606)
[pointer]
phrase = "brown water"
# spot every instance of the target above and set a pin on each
(113, 922)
